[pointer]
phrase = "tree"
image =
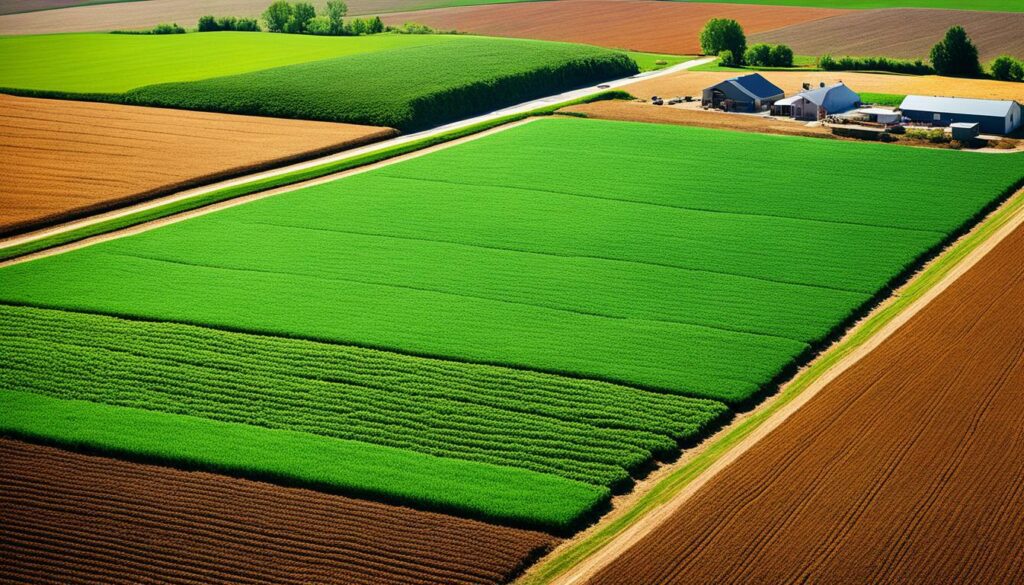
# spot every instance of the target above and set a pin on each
(207, 24)
(781, 56)
(336, 11)
(1017, 71)
(375, 26)
(356, 27)
(302, 13)
(319, 25)
(723, 34)
(1002, 68)
(727, 59)
(758, 55)
(277, 16)
(956, 55)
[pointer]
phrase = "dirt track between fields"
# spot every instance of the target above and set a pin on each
(64, 159)
(72, 518)
(900, 465)
(640, 25)
(632, 111)
(907, 33)
(134, 15)
(692, 83)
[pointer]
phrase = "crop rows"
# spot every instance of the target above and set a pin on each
(74, 518)
(587, 431)
(679, 277)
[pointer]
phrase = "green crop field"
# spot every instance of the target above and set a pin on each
(633, 253)
(980, 5)
(407, 82)
(579, 429)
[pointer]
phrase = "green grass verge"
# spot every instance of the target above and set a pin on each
(578, 429)
(257, 186)
(800, 63)
(882, 99)
(671, 485)
(505, 495)
(978, 5)
(649, 61)
(552, 281)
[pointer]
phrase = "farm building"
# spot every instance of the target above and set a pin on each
(993, 116)
(748, 93)
(815, 104)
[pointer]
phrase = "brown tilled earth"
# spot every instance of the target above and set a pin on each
(692, 83)
(15, 6)
(630, 111)
(641, 25)
(908, 468)
(134, 15)
(63, 159)
(903, 33)
(72, 518)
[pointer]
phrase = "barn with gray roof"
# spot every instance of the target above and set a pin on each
(993, 116)
(748, 93)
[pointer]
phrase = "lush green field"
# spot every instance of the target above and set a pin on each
(626, 252)
(408, 82)
(479, 490)
(106, 63)
(578, 429)
(982, 5)
(883, 99)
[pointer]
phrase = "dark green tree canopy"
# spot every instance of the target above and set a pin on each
(723, 34)
(956, 55)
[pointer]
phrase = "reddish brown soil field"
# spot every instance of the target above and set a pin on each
(902, 33)
(16, 6)
(645, 112)
(908, 468)
(640, 25)
(63, 159)
(692, 83)
(133, 15)
(72, 518)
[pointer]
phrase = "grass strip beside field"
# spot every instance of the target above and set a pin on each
(666, 489)
(882, 99)
(315, 172)
(800, 63)
(487, 492)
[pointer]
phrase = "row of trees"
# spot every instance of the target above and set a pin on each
(211, 24)
(725, 37)
(301, 18)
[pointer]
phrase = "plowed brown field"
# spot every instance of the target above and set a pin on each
(640, 25)
(908, 468)
(72, 518)
(63, 159)
(693, 82)
(903, 33)
(643, 112)
(133, 15)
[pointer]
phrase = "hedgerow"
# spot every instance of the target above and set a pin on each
(579, 429)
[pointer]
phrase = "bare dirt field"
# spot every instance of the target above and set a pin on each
(907, 468)
(693, 82)
(133, 15)
(72, 518)
(641, 25)
(903, 33)
(63, 159)
(15, 6)
(643, 112)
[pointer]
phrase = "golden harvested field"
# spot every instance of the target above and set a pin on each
(131, 15)
(63, 159)
(907, 468)
(693, 82)
(640, 25)
(902, 33)
(643, 112)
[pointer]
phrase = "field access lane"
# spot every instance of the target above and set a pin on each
(908, 468)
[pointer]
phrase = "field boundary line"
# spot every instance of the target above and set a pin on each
(79, 229)
(579, 559)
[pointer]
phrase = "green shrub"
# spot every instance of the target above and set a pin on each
(955, 55)
(413, 28)
(781, 56)
(160, 29)
(723, 34)
(726, 58)
(207, 24)
(918, 67)
(320, 25)
(1017, 71)
(247, 25)
(758, 55)
(1006, 68)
